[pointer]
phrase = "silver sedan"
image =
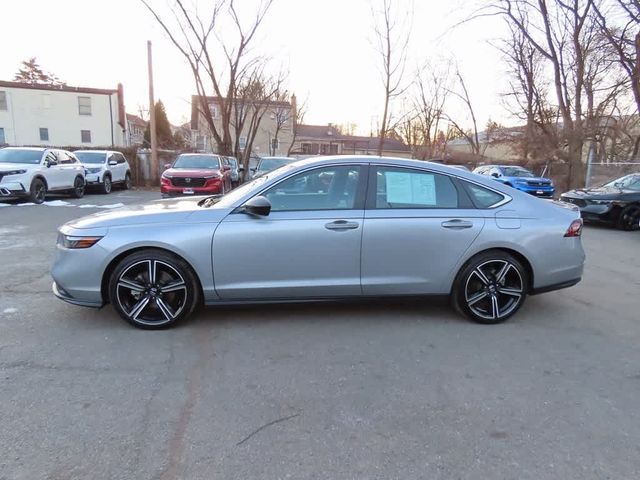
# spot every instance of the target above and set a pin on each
(325, 228)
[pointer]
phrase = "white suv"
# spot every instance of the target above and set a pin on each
(104, 168)
(32, 172)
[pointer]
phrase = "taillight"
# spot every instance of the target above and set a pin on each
(575, 229)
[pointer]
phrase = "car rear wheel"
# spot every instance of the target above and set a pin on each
(152, 289)
(38, 191)
(629, 218)
(491, 287)
(106, 185)
(78, 188)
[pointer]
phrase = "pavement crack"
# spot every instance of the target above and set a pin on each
(266, 425)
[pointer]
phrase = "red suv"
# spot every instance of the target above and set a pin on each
(196, 174)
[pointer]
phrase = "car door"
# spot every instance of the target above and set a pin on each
(307, 247)
(53, 171)
(68, 169)
(417, 225)
(116, 168)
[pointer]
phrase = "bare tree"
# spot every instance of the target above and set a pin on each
(282, 117)
(624, 38)
(392, 37)
(472, 135)
(220, 66)
(299, 112)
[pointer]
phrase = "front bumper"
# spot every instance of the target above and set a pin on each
(542, 192)
(93, 179)
(62, 294)
(12, 189)
(171, 191)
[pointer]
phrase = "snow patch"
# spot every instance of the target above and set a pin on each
(114, 205)
(58, 203)
(10, 310)
(88, 206)
(28, 204)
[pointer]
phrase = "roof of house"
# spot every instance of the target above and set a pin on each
(136, 120)
(318, 132)
(371, 143)
(58, 88)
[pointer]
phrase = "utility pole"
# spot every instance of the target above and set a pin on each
(154, 168)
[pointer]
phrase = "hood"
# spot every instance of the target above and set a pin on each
(603, 193)
(8, 167)
(158, 211)
(529, 179)
(192, 172)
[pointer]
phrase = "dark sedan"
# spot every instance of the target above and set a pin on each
(616, 203)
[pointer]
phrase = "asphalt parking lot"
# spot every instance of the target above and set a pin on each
(394, 389)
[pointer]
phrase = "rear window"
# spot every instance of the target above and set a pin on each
(483, 197)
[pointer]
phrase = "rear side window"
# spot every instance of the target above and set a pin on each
(483, 197)
(408, 188)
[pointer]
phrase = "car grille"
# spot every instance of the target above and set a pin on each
(575, 201)
(188, 182)
(538, 184)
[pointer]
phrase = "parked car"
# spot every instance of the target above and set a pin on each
(235, 171)
(362, 226)
(105, 168)
(519, 178)
(615, 203)
(33, 172)
(196, 174)
(267, 164)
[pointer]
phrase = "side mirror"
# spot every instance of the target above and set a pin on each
(113, 163)
(50, 163)
(241, 168)
(167, 166)
(495, 175)
(260, 206)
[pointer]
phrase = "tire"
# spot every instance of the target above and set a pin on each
(78, 188)
(127, 181)
(37, 191)
(490, 287)
(106, 185)
(153, 289)
(629, 218)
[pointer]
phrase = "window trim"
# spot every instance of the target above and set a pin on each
(361, 192)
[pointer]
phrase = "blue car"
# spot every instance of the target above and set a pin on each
(519, 178)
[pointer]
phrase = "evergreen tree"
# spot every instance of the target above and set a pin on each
(31, 72)
(163, 128)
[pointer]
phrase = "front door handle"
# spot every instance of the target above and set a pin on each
(341, 225)
(457, 224)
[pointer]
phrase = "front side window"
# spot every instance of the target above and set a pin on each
(408, 188)
(44, 134)
(84, 105)
(326, 188)
(85, 136)
(3, 100)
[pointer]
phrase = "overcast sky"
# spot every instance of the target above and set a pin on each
(325, 45)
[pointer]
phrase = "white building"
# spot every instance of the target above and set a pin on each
(61, 115)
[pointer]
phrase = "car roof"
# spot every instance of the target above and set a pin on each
(35, 149)
(95, 151)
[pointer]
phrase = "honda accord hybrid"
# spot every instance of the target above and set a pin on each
(321, 229)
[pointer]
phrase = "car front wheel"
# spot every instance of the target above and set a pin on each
(106, 185)
(38, 191)
(491, 287)
(152, 289)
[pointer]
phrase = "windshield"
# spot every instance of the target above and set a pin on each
(197, 161)
(628, 182)
(516, 172)
(13, 155)
(268, 164)
(91, 157)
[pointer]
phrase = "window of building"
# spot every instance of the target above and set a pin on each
(46, 100)
(275, 144)
(2, 140)
(243, 142)
(3, 100)
(44, 134)
(85, 136)
(84, 105)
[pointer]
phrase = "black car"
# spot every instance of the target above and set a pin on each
(615, 203)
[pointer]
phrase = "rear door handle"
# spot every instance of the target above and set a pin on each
(341, 225)
(457, 224)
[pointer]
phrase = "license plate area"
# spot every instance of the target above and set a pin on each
(187, 191)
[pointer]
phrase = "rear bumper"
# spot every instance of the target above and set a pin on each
(556, 286)
(542, 192)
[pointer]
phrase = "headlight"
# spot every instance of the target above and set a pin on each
(15, 172)
(164, 175)
(212, 176)
(73, 241)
